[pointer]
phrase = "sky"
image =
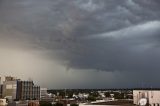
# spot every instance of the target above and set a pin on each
(81, 43)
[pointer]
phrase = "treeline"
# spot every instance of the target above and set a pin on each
(43, 103)
(77, 91)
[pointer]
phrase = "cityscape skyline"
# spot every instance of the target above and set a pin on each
(81, 43)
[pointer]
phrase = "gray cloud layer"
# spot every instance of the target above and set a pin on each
(107, 35)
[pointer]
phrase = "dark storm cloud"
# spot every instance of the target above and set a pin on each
(109, 35)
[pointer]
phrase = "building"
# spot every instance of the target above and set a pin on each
(1, 90)
(36, 92)
(20, 90)
(9, 78)
(43, 92)
(26, 90)
(2, 79)
(45, 96)
(152, 97)
(33, 103)
(24, 103)
(9, 90)
(18, 103)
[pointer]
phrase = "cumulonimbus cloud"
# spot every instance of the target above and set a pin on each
(105, 35)
(145, 29)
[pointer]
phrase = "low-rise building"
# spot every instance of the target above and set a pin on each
(33, 103)
(44, 96)
(24, 103)
(43, 93)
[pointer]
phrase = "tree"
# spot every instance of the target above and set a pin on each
(91, 98)
(74, 104)
(58, 104)
(119, 95)
(94, 94)
(43, 103)
(70, 94)
(107, 94)
(62, 93)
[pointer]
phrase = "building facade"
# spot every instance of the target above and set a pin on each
(1, 90)
(2, 79)
(152, 97)
(26, 90)
(36, 92)
(45, 96)
(43, 93)
(20, 90)
(9, 90)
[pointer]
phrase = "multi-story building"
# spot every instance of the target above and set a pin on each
(9, 90)
(44, 96)
(43, 93)
(2, 79)
(36, 92)
(150, 96)
(9, 78)
(26, 90)
(9, 87)
(1, 90)
(20, 90)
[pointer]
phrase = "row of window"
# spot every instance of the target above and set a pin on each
(30, 90)
(155, 104)
(31, 93)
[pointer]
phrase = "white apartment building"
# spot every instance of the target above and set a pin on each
(43, 92)
(152, 97)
